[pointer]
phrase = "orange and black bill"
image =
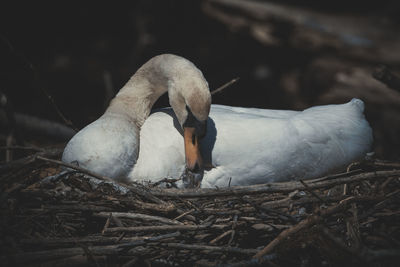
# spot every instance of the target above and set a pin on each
(194, 161)
(193, 131)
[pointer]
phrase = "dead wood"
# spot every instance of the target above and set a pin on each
(211, 248)
(38, 126)
(138, 191)
(68, 220)
(311, 220)
(131, 215)
(162, 228)
(272, 187)
(358, 36)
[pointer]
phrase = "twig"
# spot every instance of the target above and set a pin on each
(308, 189)
(142, 193)
(283, 187)
(21, 148)
(47, 255)
(16, 164)
(309, 221)
(218, 238)
(107, 223)
(157, 228)
(219, 89)
(211, 248)
(130, 263)
(386, 164)
(286, 202)
(164, 208)
(235, 218)
(130, 245)
(119, 224)
(184, 214)
(77, 168)
(254, 262)
(69, 241)
(58, 111)
(131, 215)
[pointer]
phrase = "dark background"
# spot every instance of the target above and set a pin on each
(72, 51)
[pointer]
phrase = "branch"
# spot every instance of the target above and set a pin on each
(35, 125)
(219, 89)
(309, 221)
(272, 187)
(141, 192)
(156, 228)
(131, 215)
(211, 248)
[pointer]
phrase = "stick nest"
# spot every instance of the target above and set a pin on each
(50, 216)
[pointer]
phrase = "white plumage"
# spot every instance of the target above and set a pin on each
(108, 146)
(253, 146)
(242, 145)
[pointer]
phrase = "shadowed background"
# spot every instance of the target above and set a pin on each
(288, 56)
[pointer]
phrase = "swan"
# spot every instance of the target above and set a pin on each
(213, 145)
(111, 144)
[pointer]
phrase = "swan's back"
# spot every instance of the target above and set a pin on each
(262, 146)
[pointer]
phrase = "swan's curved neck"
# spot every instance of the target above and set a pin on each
(137, 97)
(183, 81)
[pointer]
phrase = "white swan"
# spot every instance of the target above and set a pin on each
(110, 145)
(241, 146)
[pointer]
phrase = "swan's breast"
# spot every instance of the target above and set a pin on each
(108, 146)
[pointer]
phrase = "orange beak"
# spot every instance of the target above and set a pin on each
(194, 161)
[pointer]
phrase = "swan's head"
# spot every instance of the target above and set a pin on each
(190, 98)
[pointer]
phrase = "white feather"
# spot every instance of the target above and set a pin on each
(246, 145)
(252, 146)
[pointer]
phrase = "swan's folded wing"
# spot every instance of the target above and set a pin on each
(335, 136)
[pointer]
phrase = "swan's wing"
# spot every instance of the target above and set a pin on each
(257, 146)
(241, 146)
(250, 149)
(335, 134)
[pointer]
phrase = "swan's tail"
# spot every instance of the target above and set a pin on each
(358, 103)
(348, 133)
(360, 137)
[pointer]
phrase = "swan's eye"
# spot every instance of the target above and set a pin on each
(201, 129)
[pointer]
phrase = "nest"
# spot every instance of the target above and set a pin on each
(53, 216)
